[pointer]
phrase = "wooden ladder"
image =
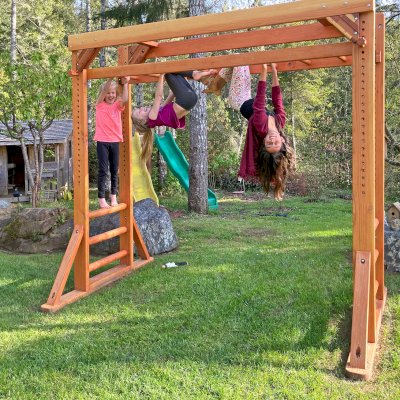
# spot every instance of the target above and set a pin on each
(78, 250)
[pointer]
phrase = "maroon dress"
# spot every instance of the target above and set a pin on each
(257, 129)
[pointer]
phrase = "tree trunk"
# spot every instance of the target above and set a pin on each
(28, 171)
(198, 156)
(13, 32)
(139, 95)
(103, 26)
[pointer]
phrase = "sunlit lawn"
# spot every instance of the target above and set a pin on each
(262, 311)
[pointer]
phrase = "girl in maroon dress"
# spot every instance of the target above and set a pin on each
(170, 113)
(267, 154)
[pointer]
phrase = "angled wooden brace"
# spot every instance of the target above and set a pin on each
(65, 267)
(347, 26)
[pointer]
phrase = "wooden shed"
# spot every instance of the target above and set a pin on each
(57, 169)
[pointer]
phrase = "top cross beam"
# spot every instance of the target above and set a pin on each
(212, 23)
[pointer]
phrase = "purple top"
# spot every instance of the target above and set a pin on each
(257, 128)
(167, 117)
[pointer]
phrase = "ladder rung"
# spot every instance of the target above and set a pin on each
(376, 223)
(105, 211)
(107, 260)
(108, 235)
(376, 254)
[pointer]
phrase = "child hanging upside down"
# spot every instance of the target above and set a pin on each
(170, 113)
(267, 154)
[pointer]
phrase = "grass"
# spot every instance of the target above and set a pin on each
(262, 311)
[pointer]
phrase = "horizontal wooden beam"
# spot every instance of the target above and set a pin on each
(331, 62)
(231, 60)
(240, 19)
(261, 37)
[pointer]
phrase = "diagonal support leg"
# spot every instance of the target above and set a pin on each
(65, 267)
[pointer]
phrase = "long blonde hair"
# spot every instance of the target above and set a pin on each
(142, 127)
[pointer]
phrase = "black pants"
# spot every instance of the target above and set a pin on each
(108, 155)
(185, 96)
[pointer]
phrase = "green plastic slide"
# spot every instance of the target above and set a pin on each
(178, 164)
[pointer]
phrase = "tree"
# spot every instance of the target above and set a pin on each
(198, 157)
(34, 87)
(38, 95)
(139, 11)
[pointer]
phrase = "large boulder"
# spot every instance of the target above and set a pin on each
(392, 248)
(39, 230)
(153, 222)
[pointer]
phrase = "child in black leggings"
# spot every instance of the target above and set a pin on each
(170, 113)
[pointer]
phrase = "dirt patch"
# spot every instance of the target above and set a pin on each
(177, 214)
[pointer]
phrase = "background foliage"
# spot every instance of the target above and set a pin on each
(318, 103)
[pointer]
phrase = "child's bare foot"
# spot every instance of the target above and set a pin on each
(103, 203)
(114, 201)
(197, 75)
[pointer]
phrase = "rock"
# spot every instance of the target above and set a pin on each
(36, 230)
(4, 203)
(156, 227)
(395, 224)
(392, 248)
(39, 230)
(154, 224)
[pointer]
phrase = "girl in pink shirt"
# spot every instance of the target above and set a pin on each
(170, 113)
(108, 135)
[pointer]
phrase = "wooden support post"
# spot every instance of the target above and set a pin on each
(364, 182)
(380, 153)
(125, 175)
(125, 168)
(81, 178)
(359, 335)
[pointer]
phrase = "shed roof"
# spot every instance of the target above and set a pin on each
(58, 132)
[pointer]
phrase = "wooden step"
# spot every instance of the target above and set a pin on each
(108, 235)
(107, 260)
(105, 211)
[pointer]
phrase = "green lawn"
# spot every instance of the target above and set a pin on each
(262, 311)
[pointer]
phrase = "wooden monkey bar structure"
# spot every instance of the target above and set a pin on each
(316, 34)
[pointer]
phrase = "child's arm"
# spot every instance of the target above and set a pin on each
(260, 119)
(263, 74)
(277, 101)
(275, 80)
(104, 91)
(125, 94)
(169, 99)
(155, 108)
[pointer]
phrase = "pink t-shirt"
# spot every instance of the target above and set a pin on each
(108, 122)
